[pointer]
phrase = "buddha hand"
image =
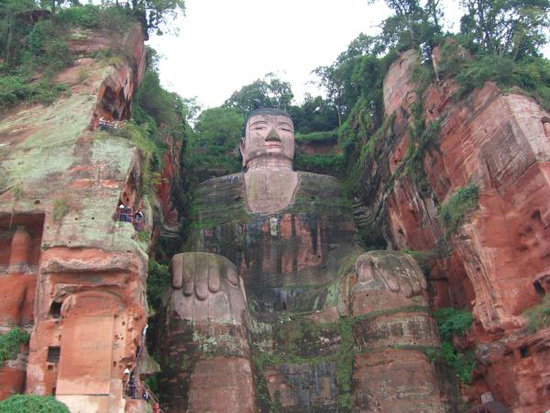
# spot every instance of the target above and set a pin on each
(202, 273)
(207, 287)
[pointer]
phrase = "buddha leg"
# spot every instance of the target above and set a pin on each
(207, 354)
(392, 330)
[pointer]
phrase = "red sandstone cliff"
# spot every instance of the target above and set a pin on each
(498, 261)
(70, 274)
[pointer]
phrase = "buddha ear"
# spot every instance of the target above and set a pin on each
(242, 146)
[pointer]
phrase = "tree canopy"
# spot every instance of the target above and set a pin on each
(514, 28)
(267, 92)
(219, 126)
(153, 14)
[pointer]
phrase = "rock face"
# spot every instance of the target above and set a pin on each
(497, 260)
(70, 274)
(20, 243)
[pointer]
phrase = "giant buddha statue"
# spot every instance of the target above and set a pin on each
(275, 307)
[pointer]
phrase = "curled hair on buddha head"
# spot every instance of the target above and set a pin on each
(268, 111)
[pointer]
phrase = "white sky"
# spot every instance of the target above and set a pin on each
(224, 45)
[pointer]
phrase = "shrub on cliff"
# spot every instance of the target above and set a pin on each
(89, 16)
(452, 321)
(10, 342)
(538, 316)
(462, 364)
(532, 75)
(158, 281)
(459, 205)
(32, 404)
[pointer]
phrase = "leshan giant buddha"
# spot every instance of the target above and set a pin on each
(275, 307)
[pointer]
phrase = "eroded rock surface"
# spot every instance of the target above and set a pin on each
(496, 261)
(70, 274)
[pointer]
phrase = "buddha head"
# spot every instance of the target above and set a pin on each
(269, 139)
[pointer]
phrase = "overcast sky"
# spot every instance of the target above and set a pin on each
(224, 45)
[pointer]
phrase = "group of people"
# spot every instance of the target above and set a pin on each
(133, 392)
(127, 214)
(104, 125)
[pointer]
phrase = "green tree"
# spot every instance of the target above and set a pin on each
(54, 4)
(267, 92)
(192, 108)
(219, 127)
(153, 14)
(355, 73)
(406, 26)
(16, 22)
(152, 99)
(314, 115)
(514, 28)
(411, 25)
(332, 80)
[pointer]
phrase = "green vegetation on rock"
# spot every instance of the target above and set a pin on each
(9, 344)
(34, 40)
(452, 321)
(158, 280)
(461, 364)
(458, 206)
(60, 209)
(538, 315)
(530, 76)
(330, 136)
(321, 164)
(32, 404)
(344, 365)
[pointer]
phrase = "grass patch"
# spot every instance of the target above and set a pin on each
(267, 404)
(9, 344)
(464, 201)
(143, 236)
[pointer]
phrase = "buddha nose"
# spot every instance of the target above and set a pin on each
(273, 136)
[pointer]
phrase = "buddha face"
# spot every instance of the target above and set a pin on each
(269, 136)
